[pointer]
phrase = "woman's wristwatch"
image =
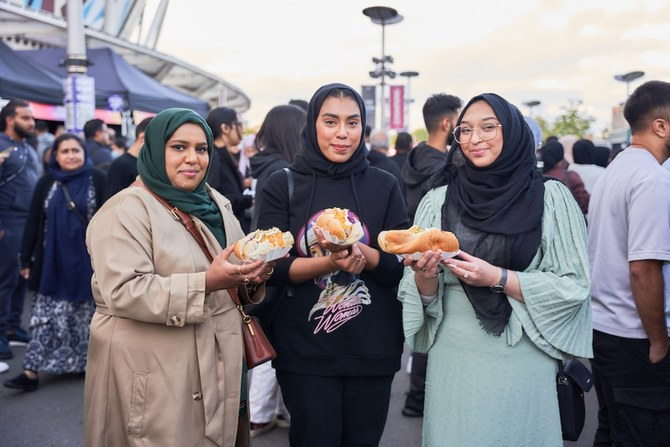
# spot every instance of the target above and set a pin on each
(499, 287)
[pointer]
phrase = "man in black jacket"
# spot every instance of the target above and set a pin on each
(440, 113)
(224, 175)
(96, 134)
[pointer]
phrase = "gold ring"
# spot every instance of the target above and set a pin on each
(272, 270)
(424, 269)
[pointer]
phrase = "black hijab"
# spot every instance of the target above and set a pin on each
(310, 159)
(583, 152)
(551, 153)
(495, 211)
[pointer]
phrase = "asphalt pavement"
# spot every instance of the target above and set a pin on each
(52, 416)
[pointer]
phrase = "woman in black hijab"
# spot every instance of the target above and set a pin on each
(338, 332)
(497, 316)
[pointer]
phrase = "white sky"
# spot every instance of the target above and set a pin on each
(554, 51)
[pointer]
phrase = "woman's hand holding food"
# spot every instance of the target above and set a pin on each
(352, 261)
(223, 274)
(479, 273)
(426, 269)
(473, 271)
(326, 244)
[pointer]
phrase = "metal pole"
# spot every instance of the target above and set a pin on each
(383, 101)
(76, 45)
(79, 100)
(408, 99)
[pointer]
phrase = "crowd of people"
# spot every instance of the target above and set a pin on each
(126, 248)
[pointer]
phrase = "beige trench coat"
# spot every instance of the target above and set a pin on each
(164, 359)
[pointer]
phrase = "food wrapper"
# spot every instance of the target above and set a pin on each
(254, 248)
(273, 254)
(445, 255)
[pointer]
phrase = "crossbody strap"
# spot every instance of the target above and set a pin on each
(70, 203)
(187, 222)
(15, 174)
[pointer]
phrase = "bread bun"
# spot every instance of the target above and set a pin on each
(417, 240)
(260, 243)
(336, 222)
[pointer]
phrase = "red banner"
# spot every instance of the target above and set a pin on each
(397, 105)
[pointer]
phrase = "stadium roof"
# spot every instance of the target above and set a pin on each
(23, 27)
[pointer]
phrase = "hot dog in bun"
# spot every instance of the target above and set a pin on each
(417, 240)
(261, 243)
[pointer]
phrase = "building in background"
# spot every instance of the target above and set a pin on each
(129, 28)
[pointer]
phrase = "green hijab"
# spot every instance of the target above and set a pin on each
(151, 168)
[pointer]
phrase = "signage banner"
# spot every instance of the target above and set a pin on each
(397, 105)
(369, 94)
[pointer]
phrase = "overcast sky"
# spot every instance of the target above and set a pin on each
(554, 51)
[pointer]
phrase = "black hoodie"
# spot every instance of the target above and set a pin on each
(358, 332)
(423, 161)
(262, 165)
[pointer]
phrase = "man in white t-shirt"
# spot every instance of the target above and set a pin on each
(629, 243)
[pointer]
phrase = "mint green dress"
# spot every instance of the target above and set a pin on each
(483, 390)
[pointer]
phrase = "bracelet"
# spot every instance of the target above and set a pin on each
(427, 299)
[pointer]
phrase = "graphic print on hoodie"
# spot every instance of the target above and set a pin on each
(343, 294)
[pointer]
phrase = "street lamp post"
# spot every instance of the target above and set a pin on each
(628, 78)
(408, 96)
(530, 105)
(79, 89)
(383, 15)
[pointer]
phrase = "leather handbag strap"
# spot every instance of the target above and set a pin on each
(188, 223)
(181, 217)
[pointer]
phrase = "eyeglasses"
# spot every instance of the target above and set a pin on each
(237, 124)
(486, 131)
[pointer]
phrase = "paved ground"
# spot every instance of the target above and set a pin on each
(52, 416)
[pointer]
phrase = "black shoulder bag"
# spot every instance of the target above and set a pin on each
(572, 380)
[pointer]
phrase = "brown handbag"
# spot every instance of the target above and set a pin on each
(257, 347)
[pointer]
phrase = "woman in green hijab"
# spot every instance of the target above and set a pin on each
(166, 356)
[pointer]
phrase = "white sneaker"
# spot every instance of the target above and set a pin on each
(258, 429)
(282, 421)
(3, 367)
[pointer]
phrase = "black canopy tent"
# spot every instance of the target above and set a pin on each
(115, 76)
(23, 78)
